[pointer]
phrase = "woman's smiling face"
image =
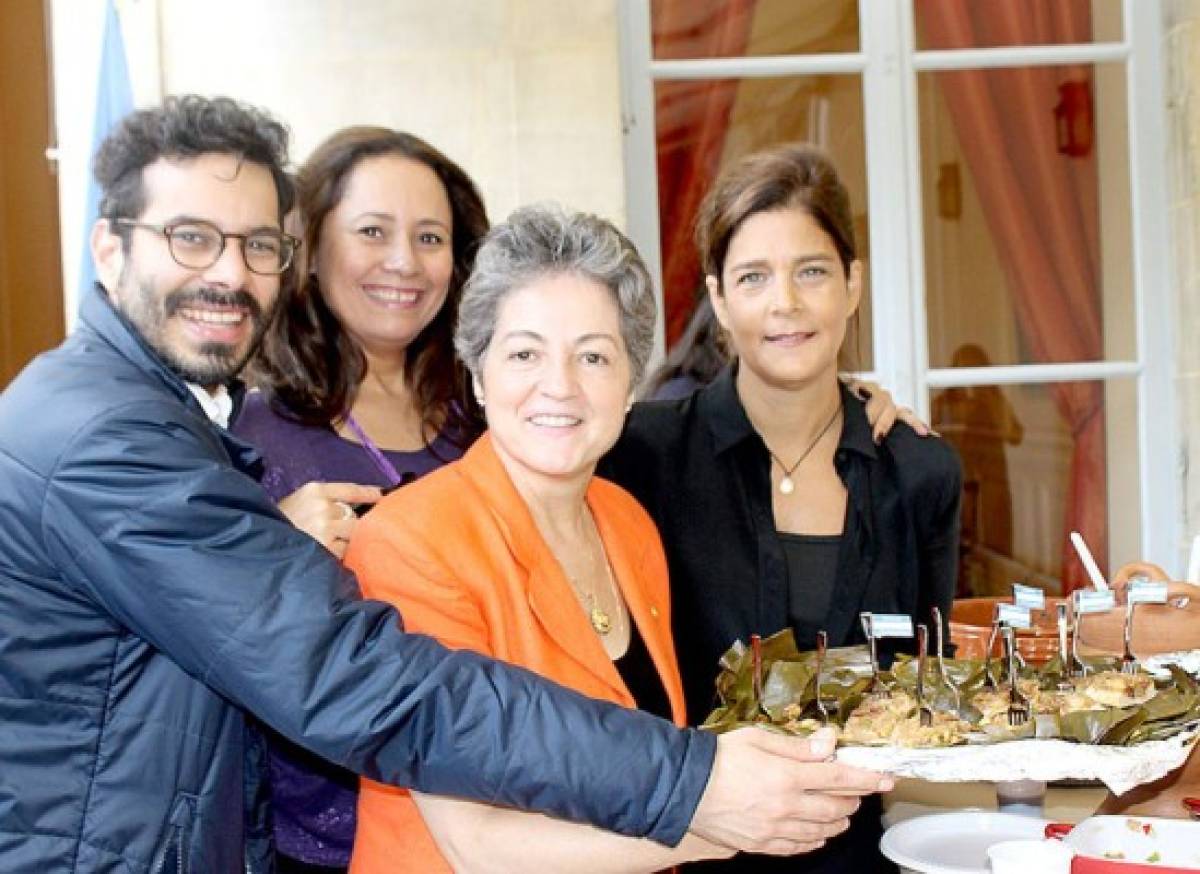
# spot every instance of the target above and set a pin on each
(385, 258)
(784, 298)
(556, 378)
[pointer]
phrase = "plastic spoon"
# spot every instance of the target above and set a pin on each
(1089, 563)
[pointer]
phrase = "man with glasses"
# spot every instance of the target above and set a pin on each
(151, 594)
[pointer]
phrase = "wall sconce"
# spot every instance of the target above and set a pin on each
(1073, 119)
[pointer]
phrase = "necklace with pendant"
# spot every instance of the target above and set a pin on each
(786, 486)
(601, 619)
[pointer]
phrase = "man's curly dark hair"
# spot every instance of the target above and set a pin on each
(187, 126)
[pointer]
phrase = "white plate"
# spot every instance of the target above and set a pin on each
(1136, 838)
(955, 843)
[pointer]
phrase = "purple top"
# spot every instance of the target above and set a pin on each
(313, 802)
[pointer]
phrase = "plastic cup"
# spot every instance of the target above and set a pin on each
(1023, 797)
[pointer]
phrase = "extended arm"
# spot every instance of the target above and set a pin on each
(189, 554)
(795, 776)
(481, 838)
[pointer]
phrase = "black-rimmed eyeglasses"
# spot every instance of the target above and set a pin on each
(198, 245)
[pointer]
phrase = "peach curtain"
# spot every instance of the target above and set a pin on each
(692, 118)
(1041, 209)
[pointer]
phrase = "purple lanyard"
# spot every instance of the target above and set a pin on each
(385, 467)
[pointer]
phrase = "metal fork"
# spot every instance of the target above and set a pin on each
(822, 644)
(989, 679)
(1129, 664)
(757, 668)
(1079, 667)
(925, 713)
(876, 688)
(942, 672)
(1064, 657)
(1018, 704)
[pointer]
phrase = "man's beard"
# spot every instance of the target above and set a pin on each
(213, 363)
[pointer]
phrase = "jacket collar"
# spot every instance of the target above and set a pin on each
(856, 430)
(721, 407)
(551, 596)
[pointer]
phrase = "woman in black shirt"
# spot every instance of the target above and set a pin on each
(776, 506)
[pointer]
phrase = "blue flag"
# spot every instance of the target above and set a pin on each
(114, 100)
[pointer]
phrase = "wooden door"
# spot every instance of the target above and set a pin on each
(31, 293)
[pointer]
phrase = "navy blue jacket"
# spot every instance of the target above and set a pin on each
(151, 595)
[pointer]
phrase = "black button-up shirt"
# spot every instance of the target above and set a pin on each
(703, 473)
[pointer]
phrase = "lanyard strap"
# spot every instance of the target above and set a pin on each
(381, 461)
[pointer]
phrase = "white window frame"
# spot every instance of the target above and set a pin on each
(889, 64)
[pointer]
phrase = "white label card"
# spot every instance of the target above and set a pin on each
(1146, 592)
(1014, 616)
(1029, 597)
(1091, 601)
(891, 625)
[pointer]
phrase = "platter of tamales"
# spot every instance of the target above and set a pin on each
(970, 719)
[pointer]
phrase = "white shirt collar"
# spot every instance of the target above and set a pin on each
(217, 406)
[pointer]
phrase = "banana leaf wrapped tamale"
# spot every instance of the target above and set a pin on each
(1106, 708)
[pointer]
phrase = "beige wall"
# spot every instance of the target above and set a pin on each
(1182, 55)
(523, 93)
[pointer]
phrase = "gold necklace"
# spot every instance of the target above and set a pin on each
(786, 486)
(602, 621)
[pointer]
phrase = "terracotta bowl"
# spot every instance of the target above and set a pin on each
(971, 624)
(1157, 628)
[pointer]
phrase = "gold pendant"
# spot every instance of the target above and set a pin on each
(600, 620)
(786, 486)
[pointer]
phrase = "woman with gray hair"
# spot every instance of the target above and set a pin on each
(518, 551)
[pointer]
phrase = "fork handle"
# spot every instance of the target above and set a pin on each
(1128, 635)
(1010, 646)
(922, 645)
(822, 644)
(1062, 639)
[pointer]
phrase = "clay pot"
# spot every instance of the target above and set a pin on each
(1157, 628)
(971, 624)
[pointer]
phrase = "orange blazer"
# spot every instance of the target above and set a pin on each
(460, 556)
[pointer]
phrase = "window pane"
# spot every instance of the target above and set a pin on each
(1026, 450)
(1025, 189)
(704, 124)
(962, 24)
(722, 29)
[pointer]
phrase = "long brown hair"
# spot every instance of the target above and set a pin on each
(310, 366)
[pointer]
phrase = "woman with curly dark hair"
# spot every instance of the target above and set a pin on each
(360, 388)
